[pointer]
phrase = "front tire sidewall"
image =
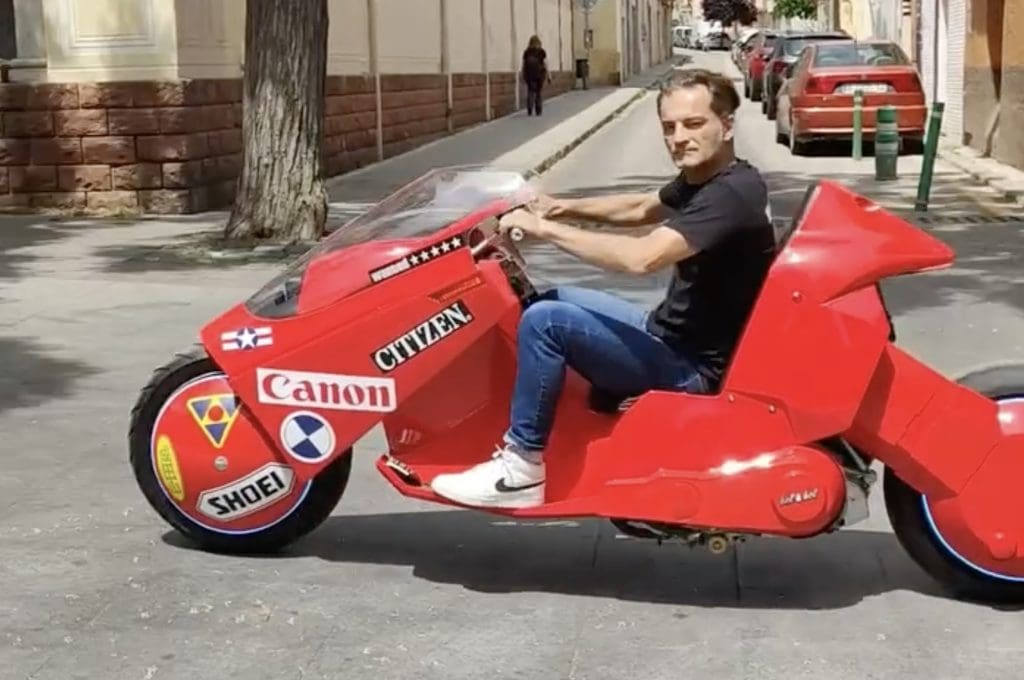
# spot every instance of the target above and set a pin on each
(910, 523)
(321, 498)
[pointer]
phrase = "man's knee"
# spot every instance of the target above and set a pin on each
(545, 320)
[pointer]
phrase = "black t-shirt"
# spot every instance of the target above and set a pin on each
(713, 292)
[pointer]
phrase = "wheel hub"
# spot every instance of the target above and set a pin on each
(983, 527)
(214, 464)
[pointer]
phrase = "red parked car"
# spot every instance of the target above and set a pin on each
(816, 101)
(760, 49)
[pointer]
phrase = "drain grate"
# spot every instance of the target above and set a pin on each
(980, 218)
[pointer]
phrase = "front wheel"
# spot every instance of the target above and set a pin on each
(919, 533)
(204, 465)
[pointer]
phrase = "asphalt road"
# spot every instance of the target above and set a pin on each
(95, 586)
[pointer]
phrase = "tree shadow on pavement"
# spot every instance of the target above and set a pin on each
(588, 558)
(21, 237)
(33, 375)
(205, 248)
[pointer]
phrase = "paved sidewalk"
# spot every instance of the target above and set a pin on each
(516, 142)
(1003, 178)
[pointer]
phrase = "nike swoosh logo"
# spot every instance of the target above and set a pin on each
(501, 487)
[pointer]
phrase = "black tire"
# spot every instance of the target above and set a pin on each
(770, 107)
(323, 495)
(796, 146)
(910, 524)
(755, 91)
(913, 146)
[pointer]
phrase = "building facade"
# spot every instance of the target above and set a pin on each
(621, 38)
(137, 103)
(971, 57)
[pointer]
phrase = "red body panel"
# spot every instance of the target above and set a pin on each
(814, 362)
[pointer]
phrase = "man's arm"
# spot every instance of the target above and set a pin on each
(624, 210)
(703, 222)
(629, 253)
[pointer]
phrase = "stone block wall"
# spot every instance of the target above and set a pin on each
(175, 147)
(164, 147)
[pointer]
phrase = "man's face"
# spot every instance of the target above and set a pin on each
(693, 132)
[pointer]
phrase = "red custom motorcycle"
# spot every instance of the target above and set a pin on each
(407, 315)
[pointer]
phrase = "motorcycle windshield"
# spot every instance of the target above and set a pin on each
(420, 208)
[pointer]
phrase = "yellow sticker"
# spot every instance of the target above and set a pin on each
(167, 468)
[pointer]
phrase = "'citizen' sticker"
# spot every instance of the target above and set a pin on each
(415, 259)
(427, 334)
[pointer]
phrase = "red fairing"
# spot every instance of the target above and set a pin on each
(323, 360)
(814, 361)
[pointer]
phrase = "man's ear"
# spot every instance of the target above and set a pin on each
(728, 127)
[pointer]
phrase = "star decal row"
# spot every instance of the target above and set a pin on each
(427, 254)
(416, 258)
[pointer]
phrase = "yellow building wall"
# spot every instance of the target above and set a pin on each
(348, 37)
(409, 35)
(110, 40)
(501, 56)
(605, 54)
(465, 40)
(211, 38)
(90, 40)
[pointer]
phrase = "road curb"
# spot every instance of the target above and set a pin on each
(571, 145)
(568, 147)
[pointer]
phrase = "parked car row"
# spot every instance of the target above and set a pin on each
(702, 38)
(806, 82)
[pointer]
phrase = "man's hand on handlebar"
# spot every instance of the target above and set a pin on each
(520, 223)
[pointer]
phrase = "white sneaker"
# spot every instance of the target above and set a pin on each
(505, 481)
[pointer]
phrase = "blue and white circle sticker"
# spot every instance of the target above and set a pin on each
(307, 437)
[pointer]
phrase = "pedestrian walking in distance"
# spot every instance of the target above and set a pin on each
(535, 73)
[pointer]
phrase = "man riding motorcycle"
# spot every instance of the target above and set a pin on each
(710, 223)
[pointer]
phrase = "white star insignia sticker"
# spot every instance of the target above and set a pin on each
(414, 259)
(445, 247)
(425, 255)
(246, 338)
(435, 251)
(456, 242)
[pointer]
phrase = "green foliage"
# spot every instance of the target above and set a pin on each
(730, 11)
(798, 9)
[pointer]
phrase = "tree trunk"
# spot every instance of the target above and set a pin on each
(281, 192)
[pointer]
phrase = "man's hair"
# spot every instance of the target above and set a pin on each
(724, 97)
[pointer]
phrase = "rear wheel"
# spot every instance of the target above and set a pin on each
(207, 470)
(796, 147)
(918, 532)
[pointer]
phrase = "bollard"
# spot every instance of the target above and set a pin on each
(858, 133)
(931, 145)
(887, 143)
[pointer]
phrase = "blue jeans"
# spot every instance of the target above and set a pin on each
(601, 337)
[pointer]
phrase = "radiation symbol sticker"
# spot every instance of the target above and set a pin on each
(215, 414)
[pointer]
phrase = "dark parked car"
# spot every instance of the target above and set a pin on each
(787, 49)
